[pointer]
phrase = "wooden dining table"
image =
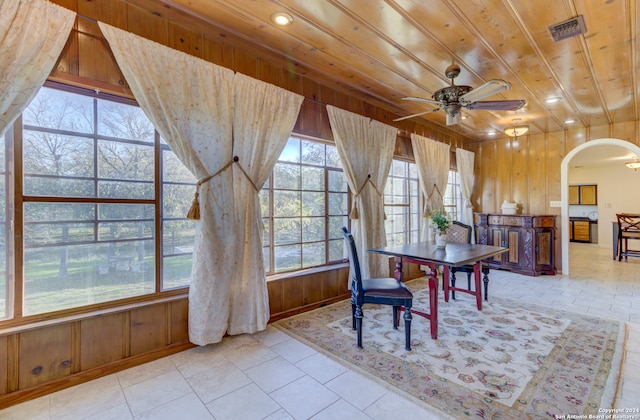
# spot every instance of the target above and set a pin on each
(453, 255)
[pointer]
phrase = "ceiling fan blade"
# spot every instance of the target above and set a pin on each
(425, 100)
(498, 105)
(490, 88)
(455, 119)
(417, 115)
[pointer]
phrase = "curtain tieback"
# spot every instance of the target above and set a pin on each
(194, 211)
(354, 207)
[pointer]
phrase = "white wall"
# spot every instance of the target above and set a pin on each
(618, 188)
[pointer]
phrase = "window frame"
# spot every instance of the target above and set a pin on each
(271, 218)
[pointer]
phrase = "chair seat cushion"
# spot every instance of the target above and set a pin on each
(388, 287)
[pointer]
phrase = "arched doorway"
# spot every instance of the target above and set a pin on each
(564, 185)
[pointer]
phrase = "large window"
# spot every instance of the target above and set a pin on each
(304, 205)
(92, 196)
(453, 196)
(402, 204)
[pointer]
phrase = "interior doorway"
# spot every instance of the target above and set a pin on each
(608, 143)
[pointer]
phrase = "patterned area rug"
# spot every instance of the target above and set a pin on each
(510, 360)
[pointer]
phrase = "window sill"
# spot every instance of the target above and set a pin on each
(307, 271)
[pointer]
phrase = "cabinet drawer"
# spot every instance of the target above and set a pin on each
(506, 220)
(512, 221)
(544, 221)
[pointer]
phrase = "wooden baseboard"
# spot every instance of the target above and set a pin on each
(307, 308)
(13, 398)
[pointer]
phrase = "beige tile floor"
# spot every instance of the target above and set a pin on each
(272, 376)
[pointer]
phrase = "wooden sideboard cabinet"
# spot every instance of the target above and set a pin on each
(530, 240)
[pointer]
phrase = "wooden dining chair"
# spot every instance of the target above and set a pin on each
(383, 291)
(628, 228)
(460, 233)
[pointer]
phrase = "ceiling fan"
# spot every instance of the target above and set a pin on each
(453, 98)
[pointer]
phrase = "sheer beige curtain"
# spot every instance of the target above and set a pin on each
(366, 149)
(229, 130)
(433, 160)
(32, 35)
(464, 163)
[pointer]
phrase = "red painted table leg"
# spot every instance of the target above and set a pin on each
(433, 304)
(476, 274)
(446, 283)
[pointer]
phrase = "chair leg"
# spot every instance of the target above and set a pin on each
(359, 315)
(353, 316)
(396, 320)
(453, 284)
(485, 280)
(407, 328)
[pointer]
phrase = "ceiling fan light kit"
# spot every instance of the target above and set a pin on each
(634, 164)
(516, 131)
(451, 99)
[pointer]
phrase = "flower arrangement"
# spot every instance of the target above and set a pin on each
(440, 220)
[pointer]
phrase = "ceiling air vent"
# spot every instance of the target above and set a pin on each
(568, 28)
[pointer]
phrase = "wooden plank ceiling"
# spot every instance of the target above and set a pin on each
(383, 50)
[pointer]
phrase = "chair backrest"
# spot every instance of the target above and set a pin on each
(628, 224)
(354, 263)
(459, 233)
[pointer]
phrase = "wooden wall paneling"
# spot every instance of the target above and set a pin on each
(68, 60)
(217, 52)
(485, 186)
(556, 151)
(312, 287)
(556, 146)
(148, 329)
(311, 121)
(13, 362)
(537, 172)
(503, 173)
(69, 4)
(75, 347)
(269, 73)
(308, 122)
(184, 39)
(520, 172)
(96, 60)
(626, 131)
(147, 25)
(101, 340)
(37, 365)
(276, 296)
(575, 137)
(289, 79)
(600, 132)
(293, 293)
(4, 364)
(244, 63)
(335, 283)
(112, 12)
(179, 321)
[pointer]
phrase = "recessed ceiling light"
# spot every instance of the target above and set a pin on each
(282, 19)
(569, 121)
(552, 100)
(491, 132)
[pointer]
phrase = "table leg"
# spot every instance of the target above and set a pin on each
(476, 274)
(446, 283)
(398, 274)
(433, 303)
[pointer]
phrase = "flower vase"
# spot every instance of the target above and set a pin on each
(441, 240)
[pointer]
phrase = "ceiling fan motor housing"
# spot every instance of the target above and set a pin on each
(451, 93)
